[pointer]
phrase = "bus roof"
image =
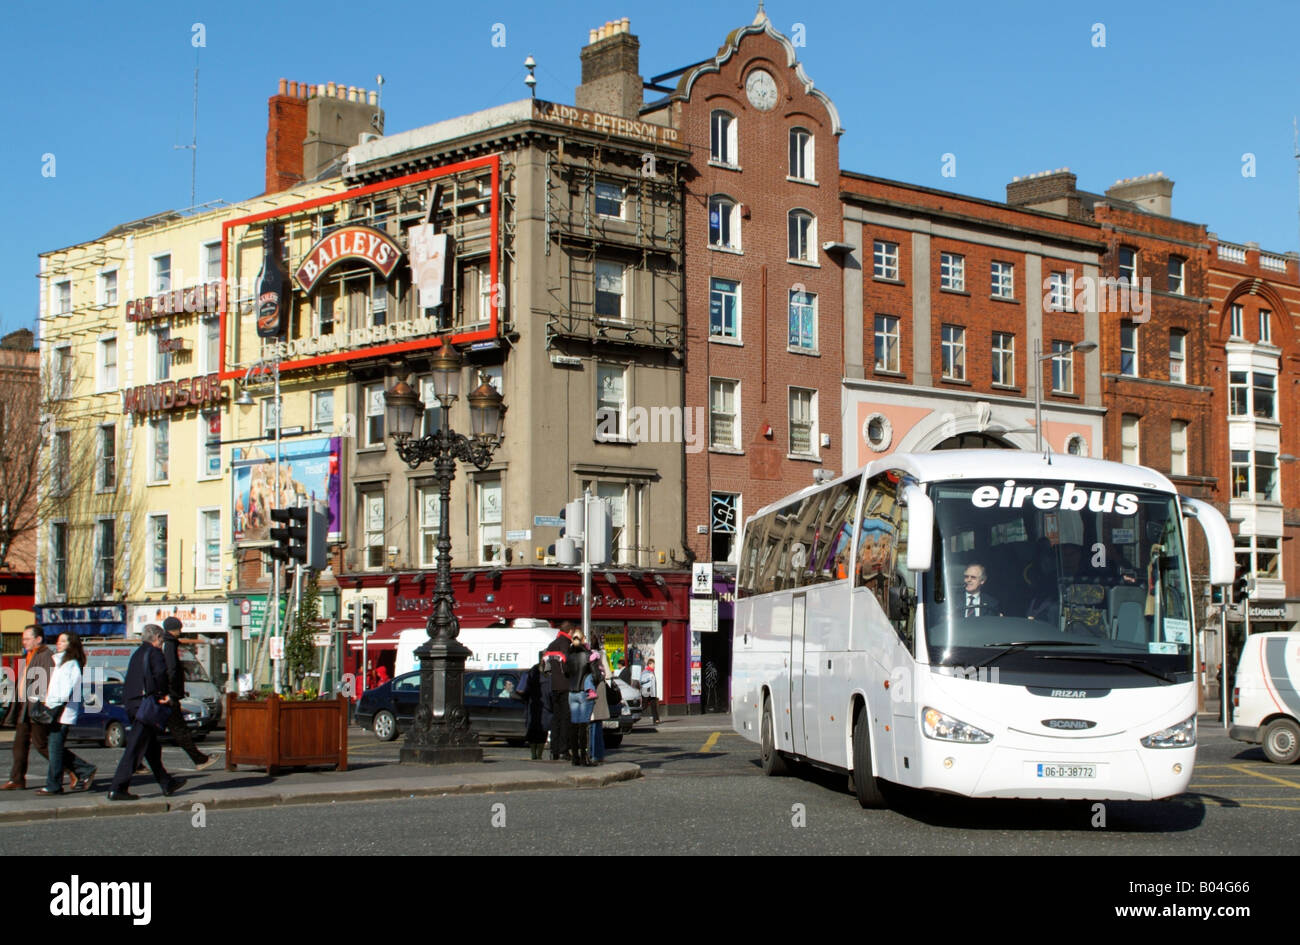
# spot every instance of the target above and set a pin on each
(999, 464)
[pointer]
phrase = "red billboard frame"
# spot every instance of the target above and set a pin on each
(492, 161)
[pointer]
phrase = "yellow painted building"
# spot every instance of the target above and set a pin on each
(135, 495)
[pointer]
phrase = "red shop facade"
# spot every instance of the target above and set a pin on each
(637, 614)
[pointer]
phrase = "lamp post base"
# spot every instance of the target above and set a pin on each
(444, 755)
(440, 733)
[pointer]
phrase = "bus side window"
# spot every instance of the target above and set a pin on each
(834, 533)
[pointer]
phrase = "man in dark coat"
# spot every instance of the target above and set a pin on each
(32, 683)
(146, 678)
(553, 659)
(180, 732)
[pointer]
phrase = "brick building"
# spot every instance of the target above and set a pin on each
(1152, 306)
(948, 299)
(763, 287)
(1253, 368)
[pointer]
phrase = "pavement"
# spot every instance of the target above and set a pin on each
(367, 779)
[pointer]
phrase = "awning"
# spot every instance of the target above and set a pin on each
(386, 633)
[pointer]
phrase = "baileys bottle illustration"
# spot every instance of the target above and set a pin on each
(272, 287)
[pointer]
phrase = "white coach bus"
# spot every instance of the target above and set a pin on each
(988, 623)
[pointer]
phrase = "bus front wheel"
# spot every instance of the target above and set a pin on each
(865, 784)
(773, 764)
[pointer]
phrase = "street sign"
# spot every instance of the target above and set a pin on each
(548, 521)
(320, 639)
(277, 648)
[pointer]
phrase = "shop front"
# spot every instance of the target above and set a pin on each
(88, 622)
(637, 615)
(205, 627)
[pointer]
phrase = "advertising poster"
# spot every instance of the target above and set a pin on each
(309, 469)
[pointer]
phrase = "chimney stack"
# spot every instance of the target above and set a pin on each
(309, 126)
(1049, 191)
(611, 78)
(1154, 193)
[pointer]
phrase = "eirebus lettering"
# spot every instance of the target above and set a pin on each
(1069, 498)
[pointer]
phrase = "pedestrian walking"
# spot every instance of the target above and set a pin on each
(649, 690)
(33, 680)
(63, 699)
(557, 652)
(146, 678)
(180, 731)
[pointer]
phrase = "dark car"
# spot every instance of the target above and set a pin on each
(494, 711)
(103, 717)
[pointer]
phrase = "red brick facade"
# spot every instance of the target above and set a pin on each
(1251, 282)
(758, 176)
(919, 227)
(1146, 387)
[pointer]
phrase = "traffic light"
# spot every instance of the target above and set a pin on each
(318, 524)
(1243, 588)
(599, 532)
(354, 617)
(367, 618)
(281, 534)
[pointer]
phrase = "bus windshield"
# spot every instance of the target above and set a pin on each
(1050, 580)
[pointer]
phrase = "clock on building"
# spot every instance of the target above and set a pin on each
(761, 89)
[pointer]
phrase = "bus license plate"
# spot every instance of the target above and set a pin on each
(1066, 771)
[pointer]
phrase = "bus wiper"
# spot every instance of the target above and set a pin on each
(1117, 660)
(1021, 644)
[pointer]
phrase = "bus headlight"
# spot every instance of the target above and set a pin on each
(947, 729)
(1182, 735)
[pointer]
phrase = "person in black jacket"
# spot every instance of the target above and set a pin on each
(575, 672)
(180, 732)
(146, 678)
(553, 660)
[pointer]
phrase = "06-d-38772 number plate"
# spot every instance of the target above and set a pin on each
(1048, 769)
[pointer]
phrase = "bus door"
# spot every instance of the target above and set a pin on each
(798, 621)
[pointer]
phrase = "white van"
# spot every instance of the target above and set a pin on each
(512, 647)
(1266, 695)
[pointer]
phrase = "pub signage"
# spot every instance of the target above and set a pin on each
(604, 124)
(197, 299)
(202, 391)
(360, 243)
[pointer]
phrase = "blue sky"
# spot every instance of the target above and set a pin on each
(1008, 88)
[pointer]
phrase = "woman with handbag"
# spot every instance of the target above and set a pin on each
(581, 697)
(63, 700)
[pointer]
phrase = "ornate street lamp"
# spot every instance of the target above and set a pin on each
(441, 733)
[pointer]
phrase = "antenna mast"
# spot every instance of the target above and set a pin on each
(193, 146)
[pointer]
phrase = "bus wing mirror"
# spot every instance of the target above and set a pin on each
(1223, 566)
(920, 528)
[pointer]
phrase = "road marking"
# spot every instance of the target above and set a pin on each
(1267, 777)
(713, 740)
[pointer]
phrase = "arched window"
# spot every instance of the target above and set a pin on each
(801, 154)
(803, 236)
(724, 222)
(722, 137)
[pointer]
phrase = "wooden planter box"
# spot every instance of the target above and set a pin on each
(272, 734)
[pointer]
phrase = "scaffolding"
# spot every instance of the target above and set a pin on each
(646, 236)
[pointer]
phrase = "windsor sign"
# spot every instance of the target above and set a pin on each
(174, 395)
